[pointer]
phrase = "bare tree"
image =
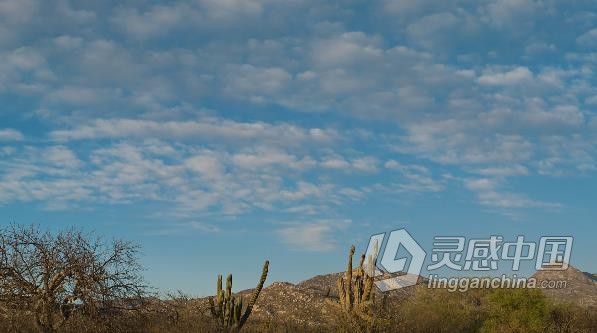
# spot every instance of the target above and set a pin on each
(52, 274)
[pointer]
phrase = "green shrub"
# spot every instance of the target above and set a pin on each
(437, 310)
(516, 310)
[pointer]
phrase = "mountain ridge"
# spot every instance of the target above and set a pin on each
(306, 303)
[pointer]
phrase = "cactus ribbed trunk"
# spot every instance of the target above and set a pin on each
(255, 293)
(229, 310)
(355, 290)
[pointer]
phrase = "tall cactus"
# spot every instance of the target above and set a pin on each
(355, 290)
(229, 310)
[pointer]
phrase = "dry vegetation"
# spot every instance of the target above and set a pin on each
(71, 282)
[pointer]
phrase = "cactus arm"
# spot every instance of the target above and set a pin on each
(229, 287)
(215, 305)
(360, 270)
(228, 309)
(228, 300)
(238, 313)
(367, 288)
(348, 285)
(255, 294)
(355, 290)
(341, 293)
(212, 307)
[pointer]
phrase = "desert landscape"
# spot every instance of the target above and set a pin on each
(69, 282)
(231, 166)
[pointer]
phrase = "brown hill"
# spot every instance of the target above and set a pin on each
(286, 302)
(305, 304)
(580, 287)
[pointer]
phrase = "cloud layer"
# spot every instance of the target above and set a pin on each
(225, 108)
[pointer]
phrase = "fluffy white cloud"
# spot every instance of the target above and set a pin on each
(489, 195)
(416, 179)
(351, 48)
(514, 170)
(189, 179)
(318, 236)
(9, 134)
(588, 39)
(156, 21)
(335, 163)
(515, 76)
(214, 129)
(250, 82)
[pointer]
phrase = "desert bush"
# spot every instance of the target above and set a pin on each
(437, 310)
(482, 310)
(568, 318)
(516, 310)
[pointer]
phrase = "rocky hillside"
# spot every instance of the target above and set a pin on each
(581, 287)
(307, 304)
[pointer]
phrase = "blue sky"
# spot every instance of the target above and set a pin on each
(219, 133)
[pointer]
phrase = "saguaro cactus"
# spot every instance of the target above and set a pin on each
(354, 288)
(355, 291)
(230, 311)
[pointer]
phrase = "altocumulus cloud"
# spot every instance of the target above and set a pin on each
(9, 134)
(229, 108)
(313, 236)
